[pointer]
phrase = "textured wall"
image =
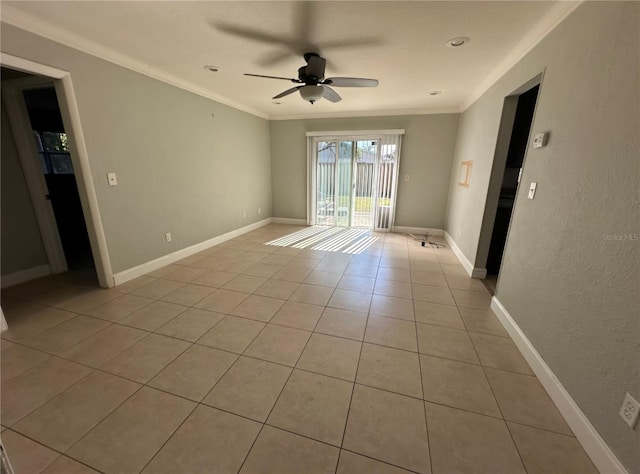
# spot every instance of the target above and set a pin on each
(427, 151)
(575, 295)
(185, 164)
(22, 246)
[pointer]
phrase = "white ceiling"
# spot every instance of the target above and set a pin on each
(400, 43)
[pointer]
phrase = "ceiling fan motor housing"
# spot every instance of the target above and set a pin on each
(302, 75)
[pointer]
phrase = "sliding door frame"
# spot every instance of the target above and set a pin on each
(351, 135)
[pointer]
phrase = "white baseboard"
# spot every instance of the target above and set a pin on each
(474, 272)
(144, 268)
(22, 276)
(480, 273)
(287, 220)
(593, 444)
(3, 322)
(400, 229)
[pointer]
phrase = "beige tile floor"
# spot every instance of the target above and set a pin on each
(260, 359)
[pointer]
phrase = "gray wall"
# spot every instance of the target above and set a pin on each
(185, 164)
(574, 294)
(22, 246)
(427, 151)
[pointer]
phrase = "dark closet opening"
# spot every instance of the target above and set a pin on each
(51, 143)
(511, 177)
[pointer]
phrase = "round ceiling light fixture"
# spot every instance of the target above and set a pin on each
(311, 93)
(212, 68)
(435, 92)
(458, 41)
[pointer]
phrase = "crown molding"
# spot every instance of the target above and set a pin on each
(371, 113)
(26, 22)
(555, 16)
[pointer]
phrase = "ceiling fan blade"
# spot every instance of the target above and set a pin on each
(251, 34)
(351, 43)
(287, 92)
(331, 95)
(315, 67)
(302, 21)
(274, 58)
(273, 77)
(351, 82)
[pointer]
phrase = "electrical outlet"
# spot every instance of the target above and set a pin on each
(168, 236)
(630, 410)
(407, 177)
(540, 139)
(244, 213)
(259, 210)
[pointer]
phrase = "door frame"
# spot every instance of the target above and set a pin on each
(354, 135)
(503, 139)
(20, 124)
(21, 129)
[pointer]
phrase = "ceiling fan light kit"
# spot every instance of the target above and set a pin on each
(311, 93)
(315, 85)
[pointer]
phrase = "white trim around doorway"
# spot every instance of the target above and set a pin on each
(80, 159)
(35, 181)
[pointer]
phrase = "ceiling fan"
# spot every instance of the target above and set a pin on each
(314, 85)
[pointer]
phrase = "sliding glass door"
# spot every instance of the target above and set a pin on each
(354, 181)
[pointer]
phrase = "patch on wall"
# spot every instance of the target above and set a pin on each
(464, 178)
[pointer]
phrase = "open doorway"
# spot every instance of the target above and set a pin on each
(511, 147)
(51, 143)
(49, 146)
(511, 177)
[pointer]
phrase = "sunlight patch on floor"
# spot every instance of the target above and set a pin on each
(328, 239)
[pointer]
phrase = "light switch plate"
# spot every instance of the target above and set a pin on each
(112, 179)
(532, 190)
(540, 139)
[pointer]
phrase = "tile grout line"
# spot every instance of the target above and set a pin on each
(274, 404)
(142, 385)
(24, 344)
(504, 421)
(379, 460)
(424, 401)
(198, 403)
(171, 435)
(99, 369)
(277, 398)
(154, 331)
(100, 422)
(353, 388)
(62, 454)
